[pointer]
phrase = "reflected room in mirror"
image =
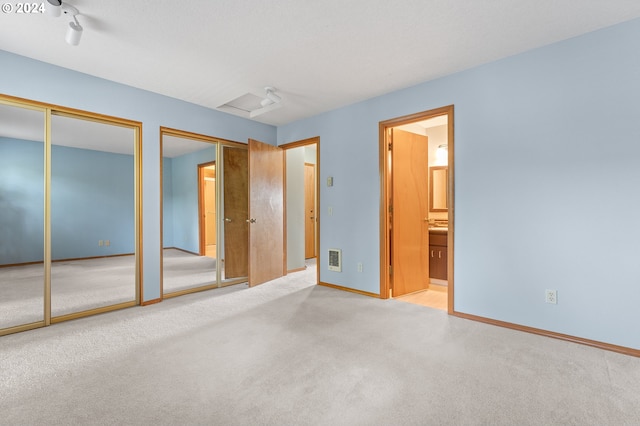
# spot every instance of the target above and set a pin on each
(93, 215)
(22, 186)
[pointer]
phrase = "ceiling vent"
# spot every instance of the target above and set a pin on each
(251, 105)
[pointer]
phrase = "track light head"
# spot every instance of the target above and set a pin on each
(53, 8)
(74, 32)
(271, 97)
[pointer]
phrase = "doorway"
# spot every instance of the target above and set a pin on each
(302, 169)
(417, 229)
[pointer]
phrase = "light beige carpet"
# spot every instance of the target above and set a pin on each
(183, 270)
(79, 285)
(76, 285)
(292, 353)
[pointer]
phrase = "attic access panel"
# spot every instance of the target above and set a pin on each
(248, 105)
(247, 102)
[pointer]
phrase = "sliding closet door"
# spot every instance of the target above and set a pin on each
(204, 212)
(22, 216)
(189, 253)
(93, 215)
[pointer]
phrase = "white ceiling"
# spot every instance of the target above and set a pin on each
(87, 134)
(174, 146)
(26, 124)
(21, 123)
(319, 55)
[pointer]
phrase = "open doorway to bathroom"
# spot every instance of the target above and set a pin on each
(417, 226)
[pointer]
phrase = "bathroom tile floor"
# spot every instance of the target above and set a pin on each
(434, 297)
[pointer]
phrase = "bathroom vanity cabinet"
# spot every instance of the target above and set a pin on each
(438, 255)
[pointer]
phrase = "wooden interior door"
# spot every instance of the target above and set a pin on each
(410, 240)
(309, 210)
(236, 211)
(266, 212)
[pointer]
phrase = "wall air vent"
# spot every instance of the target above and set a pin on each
(335, 260)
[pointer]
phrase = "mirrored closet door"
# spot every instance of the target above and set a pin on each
(22, 213)
(204, 212)
(69, 214)
(93, 213)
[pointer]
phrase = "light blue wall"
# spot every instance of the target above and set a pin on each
(30, 79)
(21, 201)
(547, 171)
(167, 202)
(92, 199)
(184, 199)
(295, 207)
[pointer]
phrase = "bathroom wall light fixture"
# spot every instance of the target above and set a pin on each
(56, 8)
(442, 155)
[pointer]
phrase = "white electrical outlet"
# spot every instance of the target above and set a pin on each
(107, 243)
(100, 243)
(359, 266)
(551, 296)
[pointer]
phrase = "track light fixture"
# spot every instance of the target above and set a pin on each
(56, 8)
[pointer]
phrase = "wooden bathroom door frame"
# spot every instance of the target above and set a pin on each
(386, 202)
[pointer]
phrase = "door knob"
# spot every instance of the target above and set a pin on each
(226, 219)
(252, 220)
